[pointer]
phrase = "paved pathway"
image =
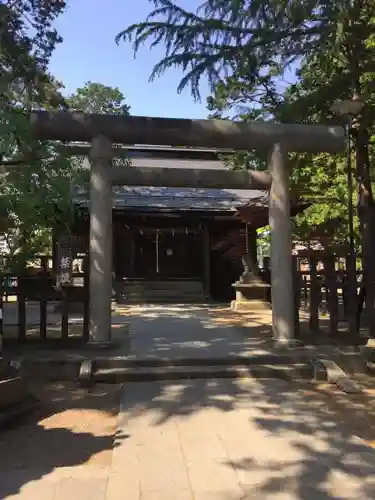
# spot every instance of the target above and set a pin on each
(208, 439)
(194, 331)
(185, 331)
(214, 440)
(223, 439)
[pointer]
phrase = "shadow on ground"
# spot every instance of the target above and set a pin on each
(296, 439)
(73, 427)
(278, 437)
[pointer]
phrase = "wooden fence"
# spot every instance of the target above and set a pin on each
(36, 287)
(326, 287)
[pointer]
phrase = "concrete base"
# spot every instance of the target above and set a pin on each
(289, 343)
(251, 295)
(119, 339)
(244, 305)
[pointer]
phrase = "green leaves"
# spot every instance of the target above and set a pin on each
(251, 39)
(36, 183)
(207, 43)
(98, 98)
(27, 39)
(245, 49)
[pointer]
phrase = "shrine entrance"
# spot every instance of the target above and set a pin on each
(165, 254)
(105, 132)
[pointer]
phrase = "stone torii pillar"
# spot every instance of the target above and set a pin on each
(283, 326)
(100, 242)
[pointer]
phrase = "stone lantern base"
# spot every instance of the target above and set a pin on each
(251, 296)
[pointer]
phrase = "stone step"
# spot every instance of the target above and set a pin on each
(185, 286)
(296, 371)
(161, 293)
(188, 285)
(178, 291)
(122, 300)
(114, 362)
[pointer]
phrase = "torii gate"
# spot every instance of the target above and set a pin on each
(102, 131)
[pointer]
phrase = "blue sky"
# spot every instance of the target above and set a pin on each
(89, 53)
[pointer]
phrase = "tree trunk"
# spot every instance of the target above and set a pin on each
(366, 213)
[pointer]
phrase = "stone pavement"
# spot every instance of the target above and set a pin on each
(214, 331)
(216, 440)
(189, 331)
(228, 439)
(209, 439)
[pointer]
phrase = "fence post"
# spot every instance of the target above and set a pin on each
(1, 318)
(43, 297)
(305, 293)
(86, 295)
(352, 295)
(314, 295)
(64, 314)
(296, 294)
(21, 303)
(331, 287)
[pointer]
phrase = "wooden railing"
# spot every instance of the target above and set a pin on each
(36, 287)
(327, 285)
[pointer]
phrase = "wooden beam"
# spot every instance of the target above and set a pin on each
(188, 177)
(80, 127)
(166, 153)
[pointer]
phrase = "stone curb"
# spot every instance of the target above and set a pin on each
(154, 362)
(336, 375)
(88, 370)
(99, 366)
(289, 372)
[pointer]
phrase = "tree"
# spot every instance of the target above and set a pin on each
(244, 48)
(27, 40)
(102, 99)
(35, 180)
(39, 195)
(98, 98)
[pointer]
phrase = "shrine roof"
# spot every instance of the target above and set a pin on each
(180, 199)
(160, 198)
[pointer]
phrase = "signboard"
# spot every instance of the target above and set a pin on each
(69, 248)
(65, 269)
